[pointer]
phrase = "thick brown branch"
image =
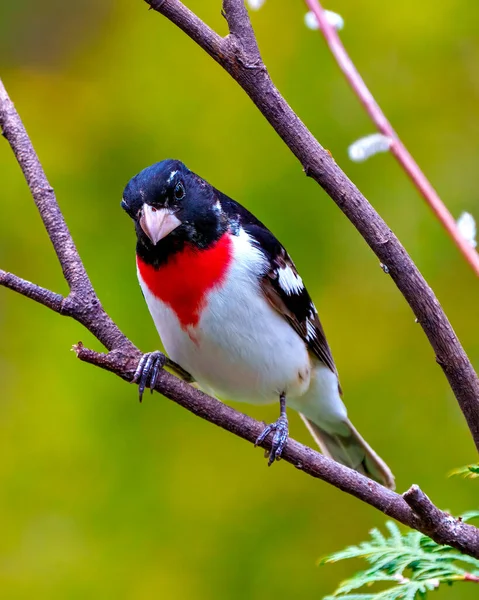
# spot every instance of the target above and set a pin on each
(444, 529)
(249, 71)
(239, 26)
(198, 31)
(435, 522)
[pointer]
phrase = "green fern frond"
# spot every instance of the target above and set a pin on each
(469, 471)
(470, 514)
(400, 592)
(413, 562)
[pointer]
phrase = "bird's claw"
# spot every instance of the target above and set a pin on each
(280, 437)
(147, 371)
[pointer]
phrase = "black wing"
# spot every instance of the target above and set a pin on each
(282, 285)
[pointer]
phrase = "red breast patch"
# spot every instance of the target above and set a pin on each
(185, 280)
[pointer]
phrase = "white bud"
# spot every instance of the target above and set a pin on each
(333, 18)
(368, 146)
(467, 228)
(255, 4)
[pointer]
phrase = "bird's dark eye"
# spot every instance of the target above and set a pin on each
(179, 191)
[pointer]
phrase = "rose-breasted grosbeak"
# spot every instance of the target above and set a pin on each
(232, 310)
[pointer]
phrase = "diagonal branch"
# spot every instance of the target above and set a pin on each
(413, 509)
(193, 26)
(234, 54)
(82, 303)
(398, 149)
(43, 194)
(429, 519)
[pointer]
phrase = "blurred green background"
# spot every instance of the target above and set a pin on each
(101, 497)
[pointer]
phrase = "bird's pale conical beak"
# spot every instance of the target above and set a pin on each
(157, 223)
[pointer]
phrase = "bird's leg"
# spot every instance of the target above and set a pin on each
(149, 367)
(280, 428)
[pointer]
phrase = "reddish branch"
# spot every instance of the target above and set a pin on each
(239, 54)
(398, 149)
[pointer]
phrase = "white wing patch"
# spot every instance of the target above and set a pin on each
(310, 330)
(289, 281)
(249, 259)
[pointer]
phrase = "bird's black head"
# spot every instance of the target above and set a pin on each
(170, 206)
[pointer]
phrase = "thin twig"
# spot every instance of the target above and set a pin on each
(397, 148)
(32, 291)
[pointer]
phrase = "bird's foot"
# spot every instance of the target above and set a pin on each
(147, 371)
(280, 437)
(149, 367)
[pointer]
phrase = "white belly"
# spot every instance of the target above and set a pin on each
(241, 348)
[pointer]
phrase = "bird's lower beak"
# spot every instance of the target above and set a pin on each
(157, 223)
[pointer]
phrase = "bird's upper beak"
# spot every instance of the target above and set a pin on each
(157, 223)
